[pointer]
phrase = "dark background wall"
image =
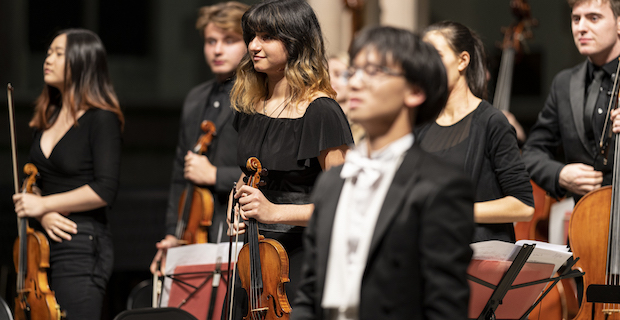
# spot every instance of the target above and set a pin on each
(155, 57)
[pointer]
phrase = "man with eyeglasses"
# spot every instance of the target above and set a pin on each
(390, 232)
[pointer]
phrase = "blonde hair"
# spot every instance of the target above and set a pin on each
(225, 15)
(294, 23)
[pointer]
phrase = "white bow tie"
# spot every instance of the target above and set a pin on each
(366, 170)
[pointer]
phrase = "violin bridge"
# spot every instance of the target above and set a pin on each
(260, 309)
(609, 311)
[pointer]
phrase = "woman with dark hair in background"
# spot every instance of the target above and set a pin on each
(76, 148)
(287, 118)
(472, 134)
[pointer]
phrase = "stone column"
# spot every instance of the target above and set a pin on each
(335, 22)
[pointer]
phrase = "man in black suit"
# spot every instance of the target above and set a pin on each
(575, 113)
(390, 232)
(220, 24)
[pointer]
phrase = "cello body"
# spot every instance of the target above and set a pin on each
(538, 227)
(589, 235)
(561, 302)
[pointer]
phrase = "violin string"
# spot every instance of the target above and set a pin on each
(234, 275)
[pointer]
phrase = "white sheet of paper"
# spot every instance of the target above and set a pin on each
(500, 250)
(557, 216)
(193, 254)
(544, 252)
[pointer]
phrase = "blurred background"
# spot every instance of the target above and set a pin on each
(155, 57)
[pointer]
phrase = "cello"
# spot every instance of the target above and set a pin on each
(196, 203)
(263, 266)
(594, 230)
(561, 302)
(31, 252)
(514, 36)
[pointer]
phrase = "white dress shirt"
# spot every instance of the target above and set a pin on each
(367, 180)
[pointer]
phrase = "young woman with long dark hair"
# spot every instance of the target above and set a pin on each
(76, 148)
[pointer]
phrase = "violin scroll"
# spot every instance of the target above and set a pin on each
(205, 140)
(33, 173)
(254, 180)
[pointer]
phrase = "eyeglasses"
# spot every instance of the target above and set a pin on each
(370, 71)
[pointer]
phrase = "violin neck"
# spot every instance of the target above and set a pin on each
(501, 99)
(255, 263)
(185, 211)
(22, 268)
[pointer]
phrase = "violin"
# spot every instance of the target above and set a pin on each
(263, 266)
(196, 203)
(594, 231)
(195, 211)
(31, 253)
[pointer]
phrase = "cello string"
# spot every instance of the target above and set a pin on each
(615, 221)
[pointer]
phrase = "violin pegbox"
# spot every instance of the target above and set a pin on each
(258, 172)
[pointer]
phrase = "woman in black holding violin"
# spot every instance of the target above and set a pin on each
(76, 148)
(287, 118)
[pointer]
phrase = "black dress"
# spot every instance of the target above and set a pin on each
(88, 154)
(289, 150)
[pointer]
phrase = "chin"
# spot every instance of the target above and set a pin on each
(222, 69)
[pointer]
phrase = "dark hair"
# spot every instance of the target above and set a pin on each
(294, 23)
(419, 61)
(87, 82)
(460, 38)
(614, 4)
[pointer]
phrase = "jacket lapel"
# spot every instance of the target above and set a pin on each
(195, 114)
(328, 212)
(223, 116)
(577, 98)
(406, 174)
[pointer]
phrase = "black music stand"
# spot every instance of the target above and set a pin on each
(505, 284)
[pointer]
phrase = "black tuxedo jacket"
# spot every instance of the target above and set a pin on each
(561, 123)
(222, 153)
(419, 251)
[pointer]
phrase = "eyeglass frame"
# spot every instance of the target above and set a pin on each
(352, 71)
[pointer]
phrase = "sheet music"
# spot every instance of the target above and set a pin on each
(193, 254)
(505, 251)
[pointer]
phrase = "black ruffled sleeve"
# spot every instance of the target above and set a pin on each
(325, 126)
